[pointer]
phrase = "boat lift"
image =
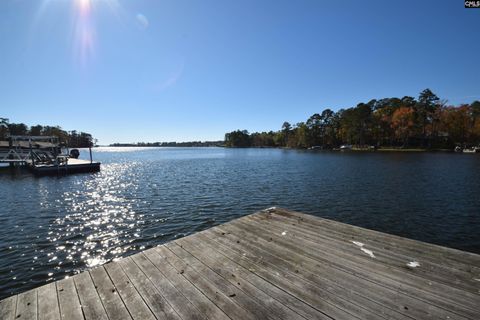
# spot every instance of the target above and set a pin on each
(20, 149)
(43, 155)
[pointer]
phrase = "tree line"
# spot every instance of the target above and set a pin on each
(72, 139)
(425, 122)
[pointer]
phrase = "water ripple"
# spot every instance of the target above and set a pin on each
(54, 227)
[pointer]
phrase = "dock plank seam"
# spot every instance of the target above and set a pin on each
(218, 290)
(139, 294)
(134, 310)
(167, 279)
(173, 285)
(183, 271)
(78, 297)
(147, 281)
(153, 253)
(275, 284)
(99, 298)
(351, 269)
(273, 264)
(334, 235)
(303, 274)
(116, 291)
(296, 274)
(246, 280)
(253, 298)
(379, 259)
(359, 258)
(281, 290)
(413, 245)
(310, 285)
(160, 290)
(193, 284)
(58, 300)
(244, 300)
(8, 307)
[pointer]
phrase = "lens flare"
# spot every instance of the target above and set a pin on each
(83, 5)
(84, 32)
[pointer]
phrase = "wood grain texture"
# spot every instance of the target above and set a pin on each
(274, 264)
(7, 308)
(134, 302)
(90, 301)
(109, 296)
(70, 308)
(27, 305)
(48, 308)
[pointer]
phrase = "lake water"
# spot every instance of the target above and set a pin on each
(53, 227)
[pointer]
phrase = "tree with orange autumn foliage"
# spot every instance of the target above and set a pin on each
(403, 123)
(425, 122)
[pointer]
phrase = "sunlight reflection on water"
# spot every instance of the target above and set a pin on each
(54, 227)
(96, 228)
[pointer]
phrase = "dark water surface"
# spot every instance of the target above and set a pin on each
(53, 227)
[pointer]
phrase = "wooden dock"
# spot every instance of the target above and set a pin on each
(71, 166)
(274, 264)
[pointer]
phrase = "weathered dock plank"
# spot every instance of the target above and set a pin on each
(48, 308)
(275, 264)
(182, 306)
(245, 274)
(443, 256)
(69, 303)
(90, 301)
(7, 308)
(270, 267)
(130, 296)
(192, 293)
(437, 294)
(230, 271)
(221, 284)
(27, 305)
(222, 300)
(109, 296)
(349, 285)
(160, 307)
(385, 255)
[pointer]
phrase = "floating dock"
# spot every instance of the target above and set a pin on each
(274, 264)
(71, 166)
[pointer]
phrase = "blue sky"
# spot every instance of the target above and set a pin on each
(177, 70)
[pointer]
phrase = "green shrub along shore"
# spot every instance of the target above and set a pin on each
(389, 124)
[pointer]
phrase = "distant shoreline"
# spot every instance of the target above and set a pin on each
(354, 149)
(218, 143)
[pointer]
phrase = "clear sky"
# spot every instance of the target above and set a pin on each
(178, 70)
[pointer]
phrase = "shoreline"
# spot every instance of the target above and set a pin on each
(386, 149)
